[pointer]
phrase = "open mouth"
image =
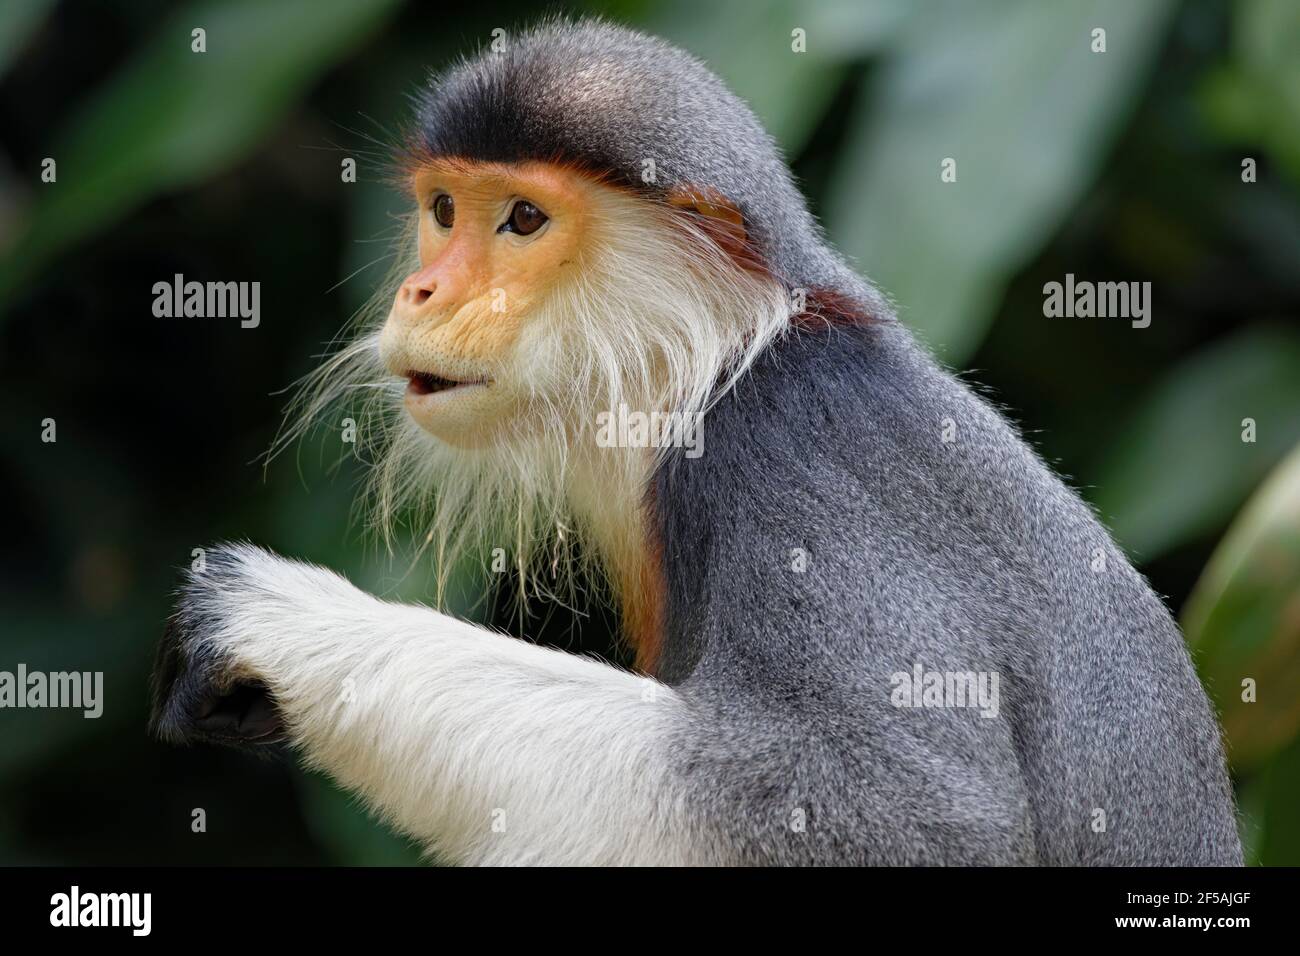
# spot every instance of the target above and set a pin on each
(426, 383)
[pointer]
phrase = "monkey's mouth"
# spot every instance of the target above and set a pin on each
(426, 383)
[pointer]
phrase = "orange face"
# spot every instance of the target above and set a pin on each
(494, 240)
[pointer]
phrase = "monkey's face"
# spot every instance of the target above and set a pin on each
(495, 241)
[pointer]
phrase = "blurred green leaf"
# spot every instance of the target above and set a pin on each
(143, 135)
(18, 21)
(1179, 467)
(1256, 98)
(749, 45)
(1279, 843)
(1243, 621)
(1017, 97)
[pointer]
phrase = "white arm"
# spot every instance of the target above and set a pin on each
(485, 748)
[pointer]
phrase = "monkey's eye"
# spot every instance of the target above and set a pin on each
(525, 219)
(444, 210)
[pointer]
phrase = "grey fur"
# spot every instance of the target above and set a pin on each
(962, 555)
(955, 555)
(608, 98)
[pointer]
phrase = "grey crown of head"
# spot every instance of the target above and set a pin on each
(640, 113)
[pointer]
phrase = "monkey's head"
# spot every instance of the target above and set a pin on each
(597, 223)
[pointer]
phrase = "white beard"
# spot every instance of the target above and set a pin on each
(658, 319)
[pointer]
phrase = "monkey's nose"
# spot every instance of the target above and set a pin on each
(417, 290)
(414, 303)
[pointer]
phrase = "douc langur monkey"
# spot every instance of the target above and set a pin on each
(821, 588)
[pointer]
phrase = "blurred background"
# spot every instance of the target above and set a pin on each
(1117, 166)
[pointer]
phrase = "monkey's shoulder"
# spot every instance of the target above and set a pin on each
(849, 486)
(830, 413)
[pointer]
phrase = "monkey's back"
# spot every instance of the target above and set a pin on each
(859, 513)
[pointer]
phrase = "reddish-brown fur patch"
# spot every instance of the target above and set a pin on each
(824, 307)
(643, 618)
